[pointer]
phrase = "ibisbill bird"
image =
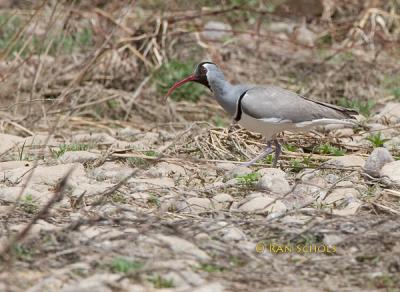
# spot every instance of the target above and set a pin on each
(266, 109)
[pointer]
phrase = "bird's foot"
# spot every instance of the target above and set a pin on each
(263, 154)
(278, 151)
(231, 127)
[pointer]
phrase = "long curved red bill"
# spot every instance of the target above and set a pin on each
(178, 84)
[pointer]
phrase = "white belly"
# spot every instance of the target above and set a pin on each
(268, 128)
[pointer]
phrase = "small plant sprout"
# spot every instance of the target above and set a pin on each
(22, 253)
(154, 200)
(363, 107)
(122, 265)
(396, 93)
(330, 150)
(290, 148)
(71, 147)
(377, 140)
(248, 179)
(151, 153)
(160, 282)
(29, 204)
(210, 268)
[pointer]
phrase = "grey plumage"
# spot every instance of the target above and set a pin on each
(274, 102)
(267, 109)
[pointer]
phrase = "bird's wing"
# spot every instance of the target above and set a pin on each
(274, 102)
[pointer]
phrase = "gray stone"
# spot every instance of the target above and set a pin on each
(77, 156)
(273, 180)
(378, 158)
(112, 171)
(346, 132)
(392, 144)
(222, 198)
(391, 171)
(173, 203)
(166, 169)
(340, 195)
(91, 188)
(46, 284)
(260, 203)
(141, 184)
(225, 166)
(216, 30)
(48, 175)
(374, 128)
(94, 138)
(344, 184)
(238, 171)
(332, 239)
(7, 142)
(128, 133)
(183, 247)
(281, 27)
(145, 141)
(346, 161)
(200, 204)
(390, 112)
(331, 178)
(231, 233)
(40, 140)
(185, 278)
(304, 36)
(209, 287)
(99, 282)
(350, 208)
(8, 165)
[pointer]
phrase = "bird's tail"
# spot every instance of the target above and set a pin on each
(324, 122)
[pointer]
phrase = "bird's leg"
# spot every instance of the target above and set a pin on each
(278, 151)
(232, 125)
(267, 150)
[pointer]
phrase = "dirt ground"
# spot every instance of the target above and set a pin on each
(103, 186)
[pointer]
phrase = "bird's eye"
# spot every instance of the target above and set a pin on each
(203, 70)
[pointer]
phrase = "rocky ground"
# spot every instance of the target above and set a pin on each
(122, 216)
(104, 187)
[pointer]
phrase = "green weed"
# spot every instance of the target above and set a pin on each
(269, 159)
(363, 107)
(210, 268)
(154, 200)
(29, 204)
(377, 140)
(121, 265)
(118, 197)
(384, 281)
(396, 93)
(71, 147)
(22, 253)
(151, 153)
(290, 147)
(21, 155)
(248, 179)
(392, 85)
(330, 150)
(137, 162)
(299, 164)
(141, 162)
(161, 282)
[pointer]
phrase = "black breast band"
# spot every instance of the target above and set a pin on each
(238, 114)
